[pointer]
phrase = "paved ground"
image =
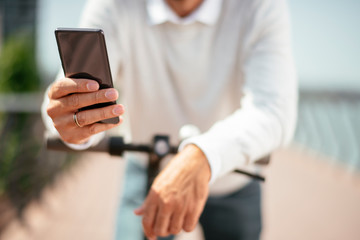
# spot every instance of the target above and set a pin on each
(79, 206)
(307, 198)
(304, 198)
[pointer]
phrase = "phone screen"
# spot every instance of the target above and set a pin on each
(83, 55)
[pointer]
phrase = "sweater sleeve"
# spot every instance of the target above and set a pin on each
(266, 119)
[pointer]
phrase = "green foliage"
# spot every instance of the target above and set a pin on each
(25, 166)
(18, 71)
(10, 145)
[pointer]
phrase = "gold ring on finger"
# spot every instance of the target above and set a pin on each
(76, 120)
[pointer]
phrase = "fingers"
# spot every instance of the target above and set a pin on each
(95, 115)
(67, 86)
(68, 95)
(88, 120)
(99, 127)
(84, 118)
(162, 220)
(80, 135)
(149, 216)
(77, 101)
(165, 219)
(178, 194)
(194, 210)
(191, 219)
(72, 103)
(177, 220)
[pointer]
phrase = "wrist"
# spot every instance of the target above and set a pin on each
(188, 165)
(197, 161)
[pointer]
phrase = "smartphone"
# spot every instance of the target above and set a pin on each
(83, 54)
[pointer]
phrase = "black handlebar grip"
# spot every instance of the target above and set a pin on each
(56, 144)
(116, 146)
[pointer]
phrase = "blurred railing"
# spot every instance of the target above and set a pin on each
(21, 102)
(329, 123)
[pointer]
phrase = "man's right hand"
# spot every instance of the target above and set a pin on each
(68, 95)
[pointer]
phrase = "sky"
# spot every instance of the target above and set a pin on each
(326, 40)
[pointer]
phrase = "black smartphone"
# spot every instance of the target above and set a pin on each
(83, 54)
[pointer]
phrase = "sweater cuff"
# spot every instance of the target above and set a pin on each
(95, 139)
(210, 152)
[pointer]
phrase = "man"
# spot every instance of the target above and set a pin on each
(222, 65)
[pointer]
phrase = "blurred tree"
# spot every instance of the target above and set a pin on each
(18, 71)
(25, 166)
(18, 74)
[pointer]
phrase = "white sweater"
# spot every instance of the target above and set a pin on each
(233, 79)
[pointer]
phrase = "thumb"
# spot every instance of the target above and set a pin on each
(139, 211)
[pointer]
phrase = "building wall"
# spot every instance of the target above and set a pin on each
(1, 28)
(17, 16)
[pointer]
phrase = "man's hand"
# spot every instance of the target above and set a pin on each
(177, 196)
(68, 95)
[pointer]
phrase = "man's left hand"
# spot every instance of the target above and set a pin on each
(178, 195)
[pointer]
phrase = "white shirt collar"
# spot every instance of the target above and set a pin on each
(159, 12)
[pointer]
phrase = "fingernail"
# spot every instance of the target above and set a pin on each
(117, 110)
(111, 94)
(92, 86)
